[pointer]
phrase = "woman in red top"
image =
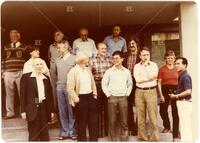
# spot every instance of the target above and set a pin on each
(167, 84)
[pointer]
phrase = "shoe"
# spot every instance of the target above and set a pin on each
(8, 117)
(74, 137)
(62, 138)
(176, 140)
(165, 130)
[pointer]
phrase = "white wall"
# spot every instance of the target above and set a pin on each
(189, 49)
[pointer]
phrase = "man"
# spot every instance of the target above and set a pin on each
(131, 58)
(183, 97)
(115, 42)
(13, 61)
(34, 53)
(167, 84)
(83, 93)
(145, 74)
(53, 54)
(36, 102)
(63, 66)
(99, 64)
(117, 86)
(84, 44)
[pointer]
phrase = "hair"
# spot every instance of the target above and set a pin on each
(169, 53)
(15, 31)
(31, 48)
(145, 49)
(116, 25)
(118, 53)
(184, 60)
(101, 43)
(36, 60)
(83, 28)
(80, 56)
(58, 31)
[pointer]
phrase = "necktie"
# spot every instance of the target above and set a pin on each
(14, 45)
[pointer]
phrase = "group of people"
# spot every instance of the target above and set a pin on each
(95, 87)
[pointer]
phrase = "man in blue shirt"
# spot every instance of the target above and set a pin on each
(183, 97)
(117, 85)
(115, 42)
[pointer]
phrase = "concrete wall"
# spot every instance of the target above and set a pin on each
(189, 49)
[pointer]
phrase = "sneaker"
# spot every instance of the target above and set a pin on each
(165, 130)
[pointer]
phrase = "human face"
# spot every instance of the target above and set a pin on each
(14, 37)
(85, 62)
(35, 53)
(132, 46)
(170, 60)
(58, 37)
(117, 60)
(102, 49)
(179, 65)
(116, 31)
(38, 65)
(145, 56)
(84, 34)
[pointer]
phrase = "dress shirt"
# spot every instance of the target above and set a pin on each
(66, 56)
(40, 86)
(114, 44)
(99, 66)
(144, 72)
(117, 82)
(85, 81)
(88, 47)
(16, 45)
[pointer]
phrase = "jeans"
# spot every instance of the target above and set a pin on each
(67, 118)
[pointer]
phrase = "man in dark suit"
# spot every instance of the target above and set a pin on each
(36, 102)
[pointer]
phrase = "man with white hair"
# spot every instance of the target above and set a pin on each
(63, 66)
(83, 93)
(36, 101)
(12, 64)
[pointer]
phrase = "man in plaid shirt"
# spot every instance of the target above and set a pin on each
(99, 64)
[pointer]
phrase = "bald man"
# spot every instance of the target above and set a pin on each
(84, 44)
(13, 59)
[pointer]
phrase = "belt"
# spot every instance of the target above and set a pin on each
(146, 88)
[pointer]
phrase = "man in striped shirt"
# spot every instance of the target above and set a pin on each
(13, 61)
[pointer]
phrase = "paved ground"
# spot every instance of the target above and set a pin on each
(16, 130)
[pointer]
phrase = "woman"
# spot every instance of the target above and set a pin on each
(167, 84)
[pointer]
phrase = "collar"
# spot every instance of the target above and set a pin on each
(17, 44)
(148, 64)
(114, 68)
(33, 74)
(182, 73)
(83, 41)
(80, 68)
(66, 56)
(115, 37)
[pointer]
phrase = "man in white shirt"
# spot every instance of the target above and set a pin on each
(84, 44)
(36, 101)
(117, 85)
(145, 74)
